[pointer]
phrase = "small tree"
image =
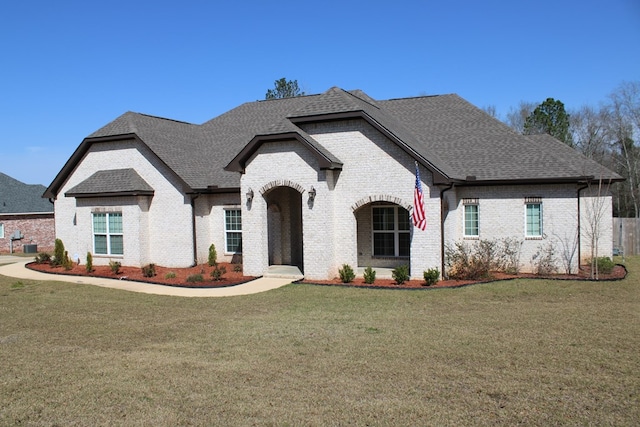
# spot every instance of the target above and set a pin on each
(89, 265)
(596, 208)
(58, 252)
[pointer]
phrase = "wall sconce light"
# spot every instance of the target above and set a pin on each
(249, 195)
(312, 194)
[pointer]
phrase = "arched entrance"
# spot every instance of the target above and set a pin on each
(284, 224)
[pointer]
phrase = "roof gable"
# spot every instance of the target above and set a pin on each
(114, 182)
(18, 197)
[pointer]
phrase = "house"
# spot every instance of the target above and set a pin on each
(25, 217)
(320, 181)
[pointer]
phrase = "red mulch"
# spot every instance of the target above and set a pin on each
(619, 272)
(231, 277)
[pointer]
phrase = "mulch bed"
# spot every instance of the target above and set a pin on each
(619, 272)
(232, 277)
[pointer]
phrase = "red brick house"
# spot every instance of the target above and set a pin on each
(25, 217)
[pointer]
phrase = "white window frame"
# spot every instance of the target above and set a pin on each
(227, 231)
(1, 230)
(396, 232)
(468, 203)
(108, 234)
(533, 201)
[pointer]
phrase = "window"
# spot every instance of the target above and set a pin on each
(233, 231)
(391, 236)
(471, 218)
(533, 227)
(107, 233)
(1, 230)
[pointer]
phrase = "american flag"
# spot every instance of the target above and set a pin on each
(419, 219)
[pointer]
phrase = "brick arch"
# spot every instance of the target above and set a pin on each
(381, 198)
(281, 183)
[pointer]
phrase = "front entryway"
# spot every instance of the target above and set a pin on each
(284, 223)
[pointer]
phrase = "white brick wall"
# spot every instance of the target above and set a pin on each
(156, 229)
(330, 232)
(502, 215)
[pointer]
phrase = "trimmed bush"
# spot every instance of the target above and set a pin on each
(346, 273)
(431, 276)
(369, 275)
(400, 274)
(115, 266)
(170, 275)
(605, 265)
(218, 272)
(43, 258)
(237, 268)
(195, 278)
(149, 270)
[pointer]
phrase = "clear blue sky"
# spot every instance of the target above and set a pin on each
(70, 67)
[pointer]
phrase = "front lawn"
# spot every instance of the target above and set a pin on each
(530, 352)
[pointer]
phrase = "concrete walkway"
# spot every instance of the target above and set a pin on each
(276, 277)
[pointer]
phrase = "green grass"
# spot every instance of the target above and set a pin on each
(527, 352)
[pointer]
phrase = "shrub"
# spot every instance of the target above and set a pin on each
(195, 278)
(218, 272)
(67, 263)
(43, 258)
(58, 253)
(431, 276)
(170, 275)
(89, 265)
(604, 265)
(544, 260)
(115, 266)
(510, 249)
(346, 273)
(400, 274)
(471, 262)
(237, 268)
(369, 275)
(213, 256)
(149, 270)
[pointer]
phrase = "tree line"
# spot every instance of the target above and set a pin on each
(608, 134)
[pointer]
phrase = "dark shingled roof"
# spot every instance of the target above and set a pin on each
(17, 197)
(114, 182)
(456, 140)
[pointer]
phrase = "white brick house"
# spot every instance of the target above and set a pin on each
(320, 181)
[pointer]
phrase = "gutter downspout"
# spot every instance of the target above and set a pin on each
(193, 227)
(580, 225)
(442, 218)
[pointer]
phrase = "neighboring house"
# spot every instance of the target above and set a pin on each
(23, 212)
(320, 181)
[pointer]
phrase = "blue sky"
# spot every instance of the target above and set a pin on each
(70, 67)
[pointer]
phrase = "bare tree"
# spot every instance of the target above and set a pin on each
(596, 206)
(516, 117)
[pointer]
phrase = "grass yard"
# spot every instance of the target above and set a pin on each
(522, 352)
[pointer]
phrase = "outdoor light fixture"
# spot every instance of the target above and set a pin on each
(312, 194)
(249, 195)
